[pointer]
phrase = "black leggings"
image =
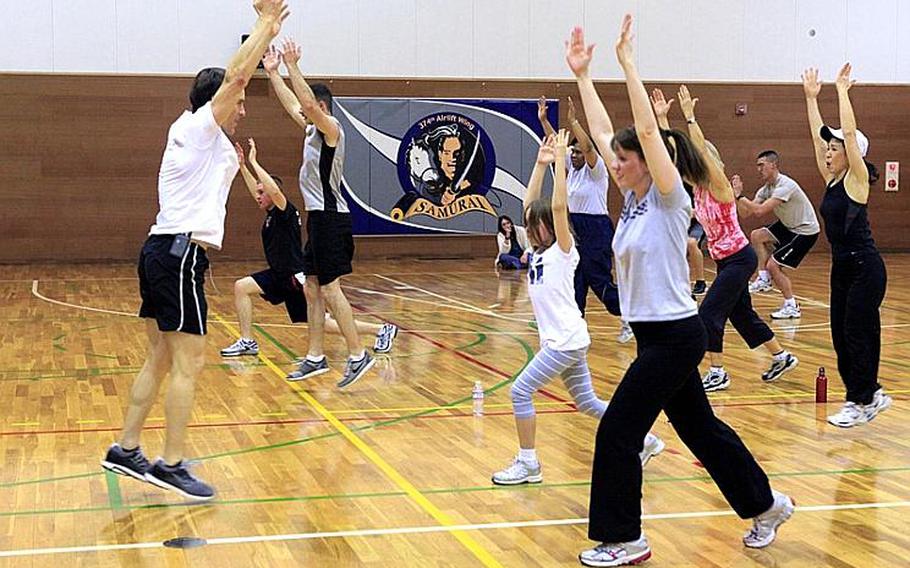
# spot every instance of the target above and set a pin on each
(858, 282)
(728, 298)
(665, 377)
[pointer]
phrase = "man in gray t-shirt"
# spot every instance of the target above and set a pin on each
(784, 243)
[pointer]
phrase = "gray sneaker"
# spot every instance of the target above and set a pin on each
(307, 368)
(880, 403)
(779, 367)
(715, 380)
(177, 478)
(617, 554)
(764, 527)
(517, 473)
(240, 347)
(122, 462)
(384, 338)
(356, 369)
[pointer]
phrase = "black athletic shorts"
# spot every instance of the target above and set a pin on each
(329, 247)
(173, 287)
(790, 248)
(283, 289)
(697, 232)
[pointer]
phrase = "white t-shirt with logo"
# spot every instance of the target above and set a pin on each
(650, 249)
(197, 169)
(587, 187)
(551, 287)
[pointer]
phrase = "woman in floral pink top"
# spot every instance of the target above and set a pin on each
(728, 298)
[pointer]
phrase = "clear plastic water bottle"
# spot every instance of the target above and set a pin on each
(477, 395)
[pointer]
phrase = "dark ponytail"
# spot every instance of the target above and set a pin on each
(873, 171)
(689, 161)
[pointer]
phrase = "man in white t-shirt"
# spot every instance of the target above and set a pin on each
(197, 169)
(784, 243)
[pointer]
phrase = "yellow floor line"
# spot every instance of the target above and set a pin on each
(463, 537)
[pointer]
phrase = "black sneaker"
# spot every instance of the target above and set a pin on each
(699, 288)
(779, 367)
(177, 478)
(307, 369)
(122, 462)
(356, 369)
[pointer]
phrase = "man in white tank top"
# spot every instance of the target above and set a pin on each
(330, 243)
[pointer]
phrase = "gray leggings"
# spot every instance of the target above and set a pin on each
(546, 366)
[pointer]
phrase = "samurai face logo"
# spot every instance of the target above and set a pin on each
(442, 160)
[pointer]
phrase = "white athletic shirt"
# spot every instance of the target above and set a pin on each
(796, 212)
(650, 250)
(551, 287)
(587, 187)
(197, 169)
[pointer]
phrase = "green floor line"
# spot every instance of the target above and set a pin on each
(528, 352)
(113, 491)
(119, 505)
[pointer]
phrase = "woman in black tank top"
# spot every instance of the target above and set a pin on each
(858, 276)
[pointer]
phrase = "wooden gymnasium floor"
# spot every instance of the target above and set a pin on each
(395, 470)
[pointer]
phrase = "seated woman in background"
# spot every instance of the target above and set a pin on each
(513, 244)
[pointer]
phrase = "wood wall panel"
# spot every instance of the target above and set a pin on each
(79, 155)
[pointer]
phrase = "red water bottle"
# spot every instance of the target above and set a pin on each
(821, 386)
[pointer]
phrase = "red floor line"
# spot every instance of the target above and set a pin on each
(466, 357)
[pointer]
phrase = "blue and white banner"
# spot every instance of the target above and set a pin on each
(437, 165)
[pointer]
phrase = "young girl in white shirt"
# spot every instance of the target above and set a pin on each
(564, 338)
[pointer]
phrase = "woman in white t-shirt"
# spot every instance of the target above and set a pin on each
(564, 338)
(650, 251)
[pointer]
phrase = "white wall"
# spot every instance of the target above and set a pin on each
(732, 40)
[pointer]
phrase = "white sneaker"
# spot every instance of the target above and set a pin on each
(617, 554)
(764, 527)
(517, 473)
(850, 415)
(787, 312)
(625, 333)
(715, 380)
(880, 403)
(760, 285)
(653, 446)
(384, 338)
(241, 347)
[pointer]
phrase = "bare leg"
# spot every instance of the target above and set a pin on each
(341, 311)
(188, 357)
(762, 241)
(315, 318)
(243, 289)
(773, 346)
(145, 386)
(527, 432)
(781, 280)
(331, 326)
(716, 359)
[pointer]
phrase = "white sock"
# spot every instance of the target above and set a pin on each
(763, 274)
(528, 456)
(790, 302)
(715, 369)
(358, 357)
(315, 359)
(782, 356)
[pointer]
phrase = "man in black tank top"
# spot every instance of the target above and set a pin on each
(282, 282)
